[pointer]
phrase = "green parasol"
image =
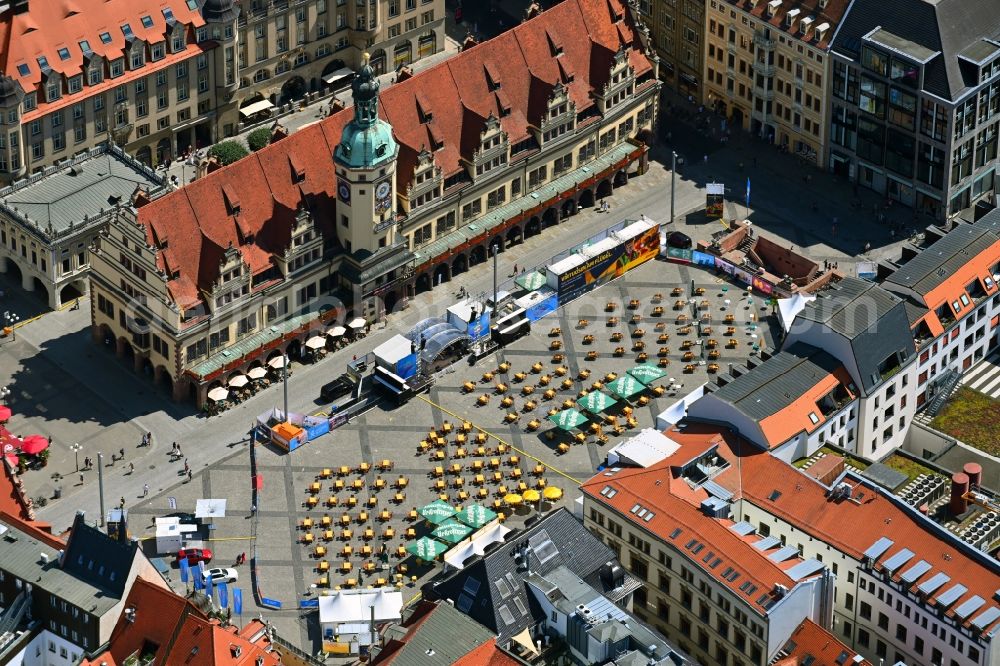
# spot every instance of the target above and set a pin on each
(647, 373)
(451, 531)
(476, 515)
(625, 386)
(596, 402)
(530, 281)
(568, 419)
(426, 548)
(437, 512)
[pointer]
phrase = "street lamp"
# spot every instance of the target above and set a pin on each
(673, 173)
(10, 319)
(75, 448)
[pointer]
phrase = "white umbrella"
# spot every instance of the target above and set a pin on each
(336, 331)
(316, 342)
(218, 394)
(239, 381)
(257, 373)
(357, 323)
(277, 362)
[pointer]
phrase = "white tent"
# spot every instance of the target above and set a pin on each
(390, 352)
(646, 448)
(789, 308)
(676, 412)
(491, 533)
(355, 606)
(210, 508)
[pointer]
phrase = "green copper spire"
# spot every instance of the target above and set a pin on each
(366, 141)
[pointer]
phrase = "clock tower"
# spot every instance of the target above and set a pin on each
(366, 172)
(365, 160)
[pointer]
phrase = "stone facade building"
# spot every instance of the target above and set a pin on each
(158, 79)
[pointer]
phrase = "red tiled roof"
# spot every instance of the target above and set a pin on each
(851, 525)
(785, 424)
(195, 225)
(52, 25)
(953, 288)
(675, 506)
(811, 640)
(832, 14)
(14, 508)
(487, 654)
(180, 632)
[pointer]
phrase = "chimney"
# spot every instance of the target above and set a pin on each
(772, 7)
(822, 4)
(975, 473)
(959, 486)
(791, 17)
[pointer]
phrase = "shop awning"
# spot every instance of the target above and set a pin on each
(255, 107)
(338, 75)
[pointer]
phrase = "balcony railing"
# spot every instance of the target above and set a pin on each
(763, 42)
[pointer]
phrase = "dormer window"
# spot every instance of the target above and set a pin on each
(63, 53)
(424, 109)
(138, 58)
(127, 31)
(168, 13)
(555, 45)
(43, 63)
(232, 201)
(147, 21)
(492, 77)
(177, 41)
(53, 90)
(105, 38)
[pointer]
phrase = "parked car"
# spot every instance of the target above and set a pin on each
(679, 240)
(339, 387)
(221, 575)
(194, 555)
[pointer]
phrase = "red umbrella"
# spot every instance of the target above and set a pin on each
(34, 444)
(4, 413)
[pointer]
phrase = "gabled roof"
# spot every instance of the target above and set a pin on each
(193, 225)
(850, 306)
(491, 590)
(488, 654)
(436, 635)
(670, 508)
(778, 382)
(93, 556)
(52, 25)
(812, 645)
(854, 526)
(945, 26)
(830, 13)
(179, 633)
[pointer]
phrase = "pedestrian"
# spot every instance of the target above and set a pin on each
(253, 509)
(122, 502)
(145, 490)
(868, 246)
(186, 468)
(243, 558)
(131, 467)
(189, 475)
(149, 438)
(121, 453)
(81, 478)
(515, 269)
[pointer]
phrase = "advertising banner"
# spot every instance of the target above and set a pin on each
(542, 307)
(724, 265)
(703, 258)
(762, 286)
(715, 198)
(478, 327)
(406, 367)
(677, 254)
(742, 275)
(609, 265)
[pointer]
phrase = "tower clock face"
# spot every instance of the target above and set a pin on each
(383, 199)
(344, 191)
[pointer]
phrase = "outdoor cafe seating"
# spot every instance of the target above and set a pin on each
(612, 322)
